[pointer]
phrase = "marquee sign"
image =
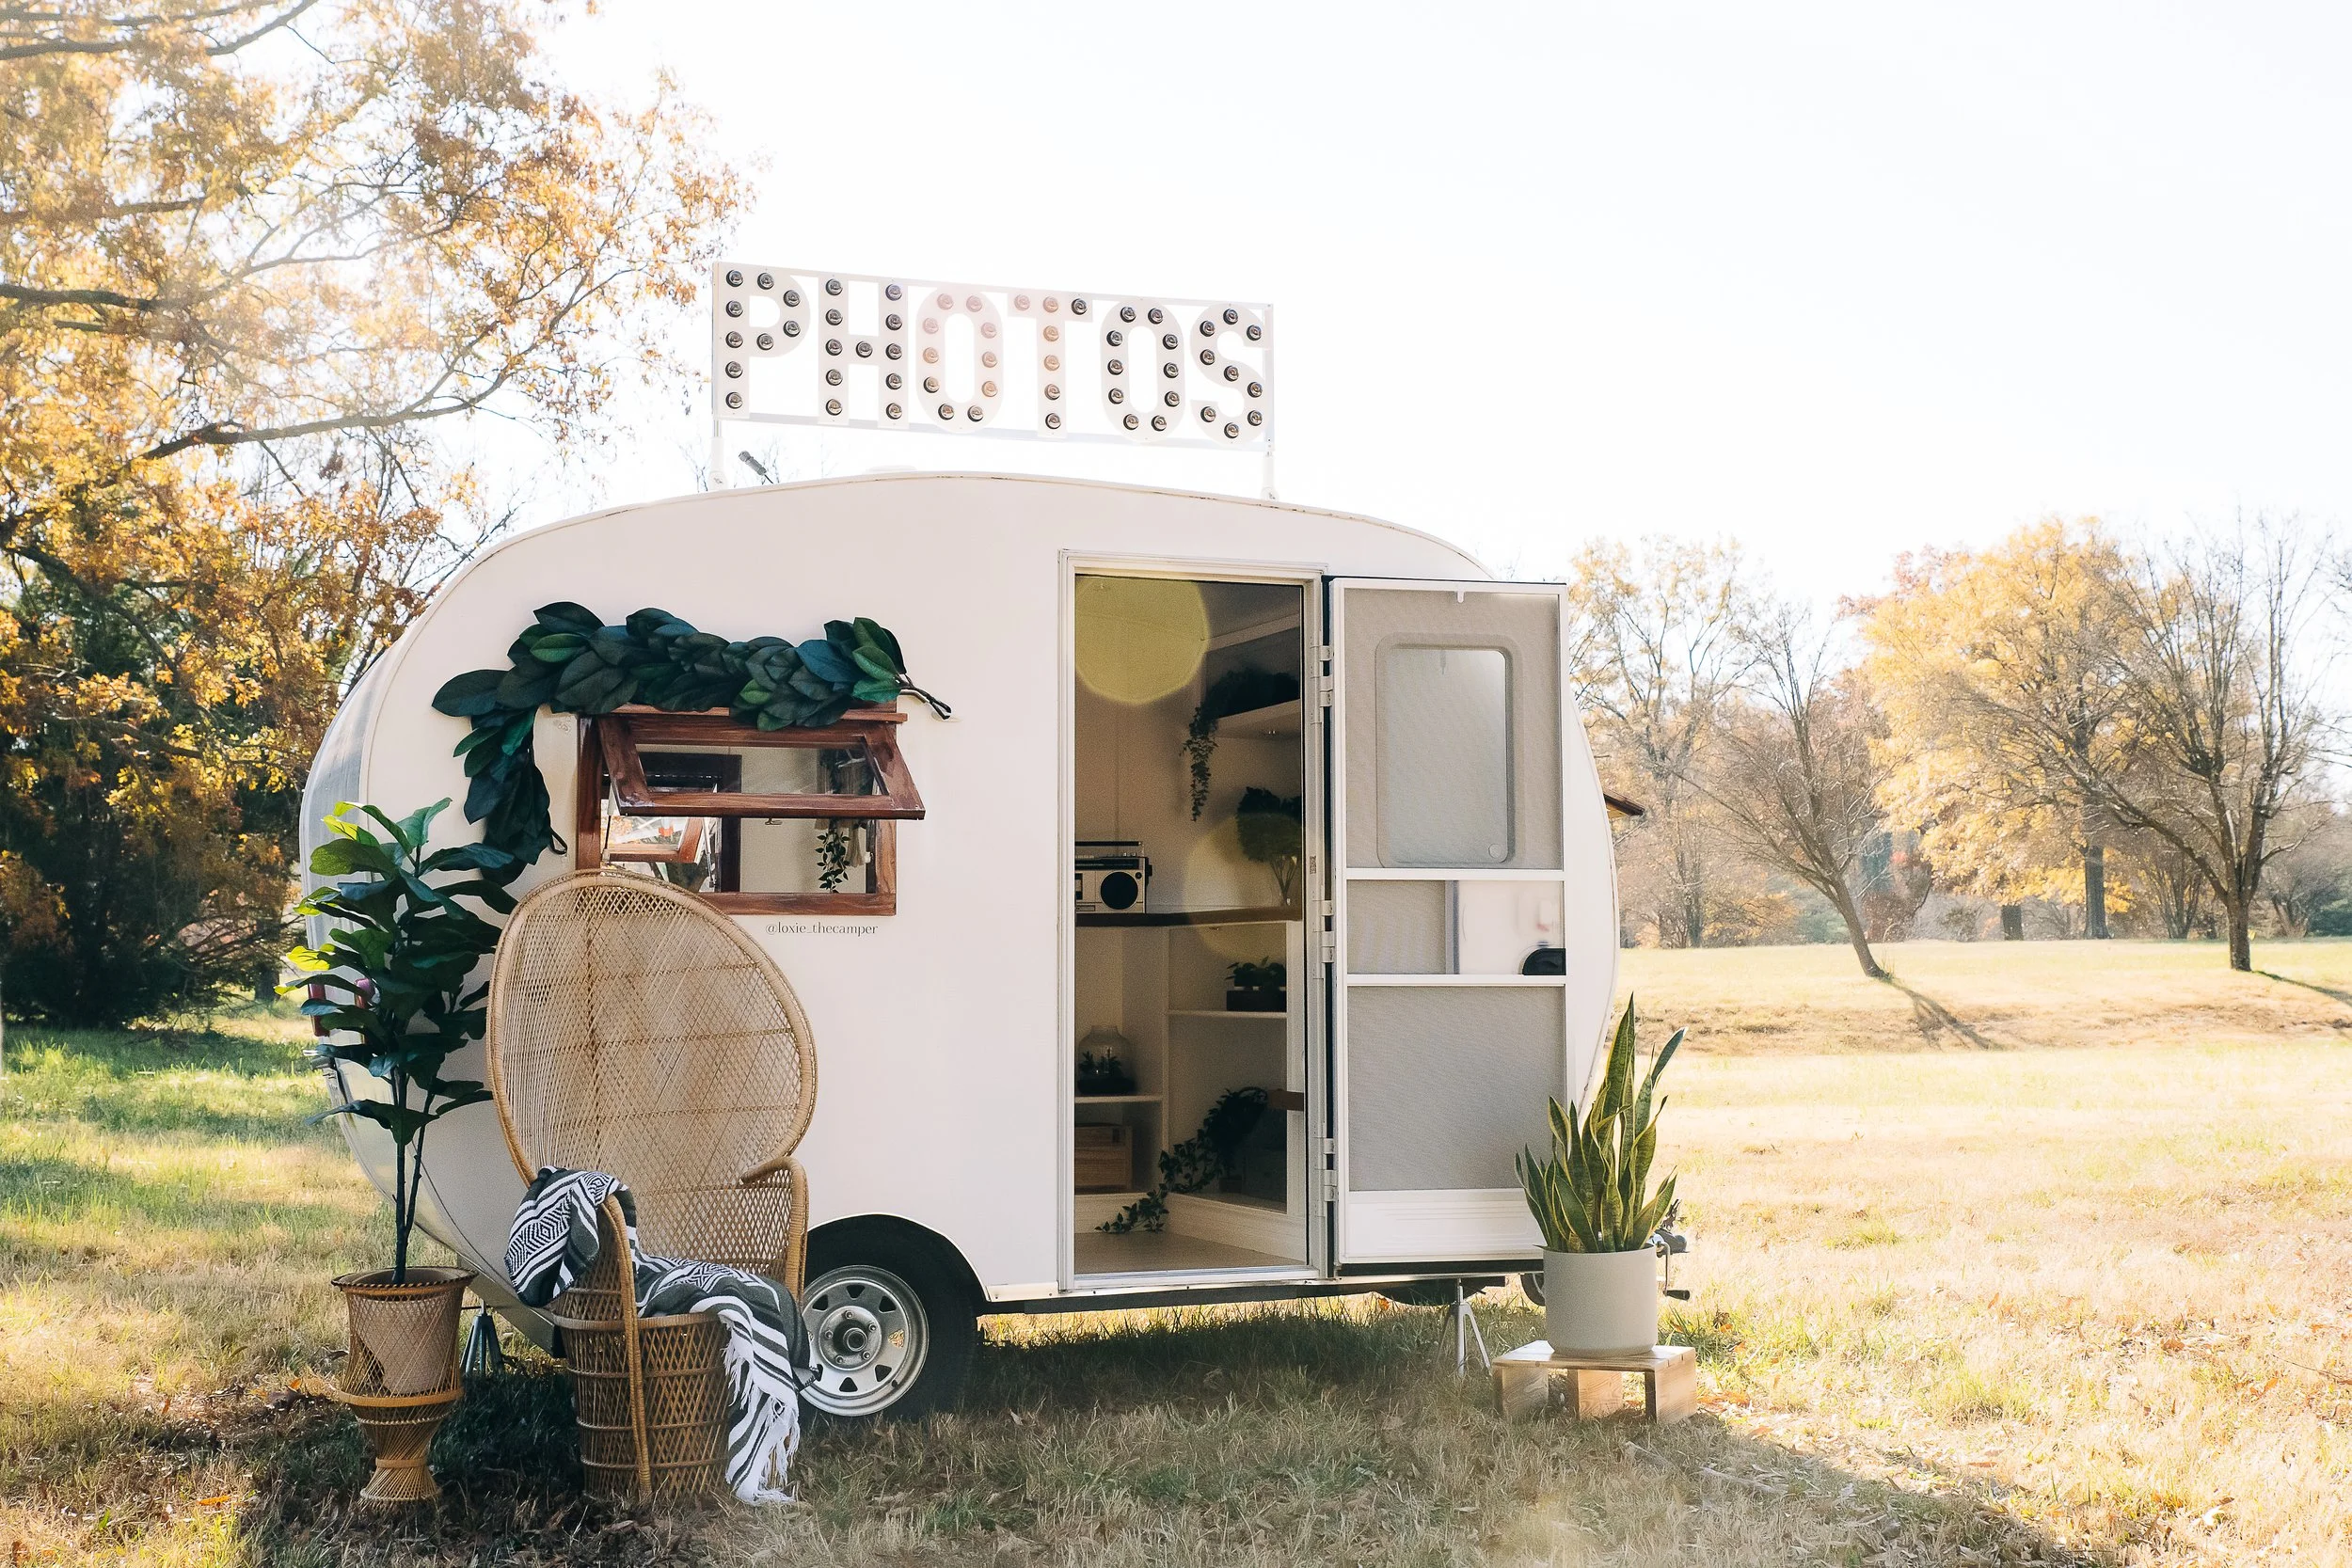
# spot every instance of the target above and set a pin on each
(789, 346)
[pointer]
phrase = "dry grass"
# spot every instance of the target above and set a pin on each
(1955, 1305)
(1995, 995)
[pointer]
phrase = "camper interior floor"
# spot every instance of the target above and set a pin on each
(1151, 1252)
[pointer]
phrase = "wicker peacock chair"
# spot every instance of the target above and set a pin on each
(635, 1029)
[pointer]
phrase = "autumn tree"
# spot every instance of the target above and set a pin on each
(2004, 687)
(258, 260)
(1658, 652)
(1798, 774)
(2223, 674)
(2308, 885)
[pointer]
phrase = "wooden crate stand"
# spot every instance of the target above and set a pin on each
(1594, 1386)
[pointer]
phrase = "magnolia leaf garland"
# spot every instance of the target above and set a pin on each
(569, 660)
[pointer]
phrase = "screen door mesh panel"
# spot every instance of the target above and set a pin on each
(1421, 771)
(1397, 929)
(1446, 1084)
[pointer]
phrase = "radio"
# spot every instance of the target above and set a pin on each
(1114, 875)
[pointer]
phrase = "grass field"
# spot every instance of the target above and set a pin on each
(2037, 1254)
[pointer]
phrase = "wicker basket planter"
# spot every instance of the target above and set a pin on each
(401, 1377)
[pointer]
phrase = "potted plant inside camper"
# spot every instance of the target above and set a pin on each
(390, 986)
(1258, 987)
(1268, 825)
(1592, 1201)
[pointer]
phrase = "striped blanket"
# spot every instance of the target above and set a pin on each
(553, 1244)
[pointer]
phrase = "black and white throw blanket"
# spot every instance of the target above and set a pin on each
(554, 1243)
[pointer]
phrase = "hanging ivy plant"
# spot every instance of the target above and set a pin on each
(1191, 1166)
(569, 660)
(1240, 690)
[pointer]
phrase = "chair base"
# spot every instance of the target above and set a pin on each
(685, 1411)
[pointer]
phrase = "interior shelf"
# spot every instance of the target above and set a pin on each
(1221, 1012)
(1241, 636)
(1267, 915)
(1115, 1098)
(1277, 719)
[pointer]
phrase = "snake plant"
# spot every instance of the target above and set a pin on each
(1593, 1194)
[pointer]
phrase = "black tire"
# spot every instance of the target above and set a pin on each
(892, 1322)
(1531, 1285)
(1423, 1292)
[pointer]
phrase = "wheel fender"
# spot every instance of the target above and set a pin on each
(850, 1237)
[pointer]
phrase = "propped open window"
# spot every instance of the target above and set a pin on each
(793, 821)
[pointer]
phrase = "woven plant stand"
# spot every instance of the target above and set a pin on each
(400, 1378)
(651, 1393)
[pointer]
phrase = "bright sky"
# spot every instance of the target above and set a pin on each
(1839, 280)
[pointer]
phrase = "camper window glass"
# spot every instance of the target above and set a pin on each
(789, 821)
(1444, 723)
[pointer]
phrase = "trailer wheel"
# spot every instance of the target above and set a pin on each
(1421, 1293)
(1531, 1285)
(891, 1325)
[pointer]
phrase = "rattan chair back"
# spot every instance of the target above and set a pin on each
(635, 1029)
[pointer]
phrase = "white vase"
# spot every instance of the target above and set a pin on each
(1601, 1303)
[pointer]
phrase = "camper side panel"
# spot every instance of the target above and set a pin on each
(942, 1065)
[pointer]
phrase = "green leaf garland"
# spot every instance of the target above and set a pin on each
(569, 660)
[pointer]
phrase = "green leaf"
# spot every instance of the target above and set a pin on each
(563, 615)
(526, 686)
(470, 694)
(873, 634)
(340, 857)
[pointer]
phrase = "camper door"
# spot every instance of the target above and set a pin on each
(1470, 969)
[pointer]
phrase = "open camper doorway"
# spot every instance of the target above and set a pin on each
(1193, 793)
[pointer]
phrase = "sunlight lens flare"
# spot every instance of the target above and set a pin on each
(1139, 639)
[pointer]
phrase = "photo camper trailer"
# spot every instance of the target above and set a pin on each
(1325, 995)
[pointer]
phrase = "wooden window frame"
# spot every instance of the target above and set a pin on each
(610, 746)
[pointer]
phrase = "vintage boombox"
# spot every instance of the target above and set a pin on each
(1113, 877)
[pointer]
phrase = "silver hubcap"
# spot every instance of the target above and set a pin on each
(867, 1336)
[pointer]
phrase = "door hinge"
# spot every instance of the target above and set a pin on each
(1330, 1188)
(1331, 947)
(1330, 1148)
(1323, 692)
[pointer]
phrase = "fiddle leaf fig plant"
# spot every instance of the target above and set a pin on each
(569, 660)
(1593, 1193)
(389, 980)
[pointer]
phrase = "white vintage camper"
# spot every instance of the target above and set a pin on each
(1452, 830)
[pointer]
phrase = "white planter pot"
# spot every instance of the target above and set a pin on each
(1600, 1303)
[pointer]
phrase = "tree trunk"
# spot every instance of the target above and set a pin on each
(2013, 922)
(2241, 936)
(2095, 892)
(1694, 921)
(1845, 911)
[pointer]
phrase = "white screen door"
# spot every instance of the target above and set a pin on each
(1467, 835)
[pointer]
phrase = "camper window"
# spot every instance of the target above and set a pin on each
(1444, 747)
(800, 821)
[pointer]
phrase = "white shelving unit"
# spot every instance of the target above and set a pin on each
(1279, 719)
(1158, 985)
